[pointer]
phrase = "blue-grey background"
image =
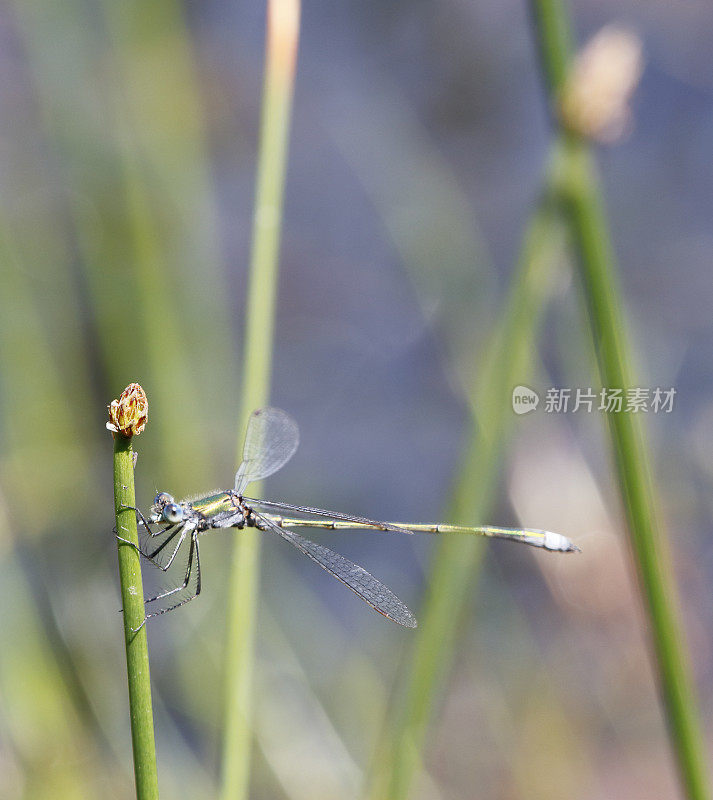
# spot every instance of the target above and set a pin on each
(128, 144)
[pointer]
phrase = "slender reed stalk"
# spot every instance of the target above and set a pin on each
(280, 59)
(132, 596)
(584, 213)
(457, 561)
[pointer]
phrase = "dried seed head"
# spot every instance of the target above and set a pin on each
(128, 414)
(594, 101)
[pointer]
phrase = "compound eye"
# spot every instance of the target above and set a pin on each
(172, 513)
(162, 499)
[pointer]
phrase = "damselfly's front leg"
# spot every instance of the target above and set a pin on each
(142, 520)
(136, 547)
(151, 556)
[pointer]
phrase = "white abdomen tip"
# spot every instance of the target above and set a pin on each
(555, 541)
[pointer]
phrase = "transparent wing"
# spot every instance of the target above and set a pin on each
(271, 439)
(356, 578)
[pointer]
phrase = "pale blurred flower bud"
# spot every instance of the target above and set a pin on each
(594, 101)
(128, 414)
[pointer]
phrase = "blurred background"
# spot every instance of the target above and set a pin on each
(128, 135)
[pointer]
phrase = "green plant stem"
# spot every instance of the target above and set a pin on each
(132, 596)
(280, 57)
(632, 460)
(584, 213)
(457, 561)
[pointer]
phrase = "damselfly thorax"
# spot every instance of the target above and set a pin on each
(225, 509)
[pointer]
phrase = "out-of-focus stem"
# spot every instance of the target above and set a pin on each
(584, 213)
(457, 561)
(280, 59)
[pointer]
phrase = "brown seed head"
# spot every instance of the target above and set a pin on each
(128, 414)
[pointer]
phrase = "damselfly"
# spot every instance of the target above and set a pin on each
(271, 439)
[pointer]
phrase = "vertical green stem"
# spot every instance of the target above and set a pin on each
(457, 561)
(584, 213)
(631, 455)
(132, 596)
(280, 59)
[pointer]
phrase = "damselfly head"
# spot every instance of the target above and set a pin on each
(160, 502)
